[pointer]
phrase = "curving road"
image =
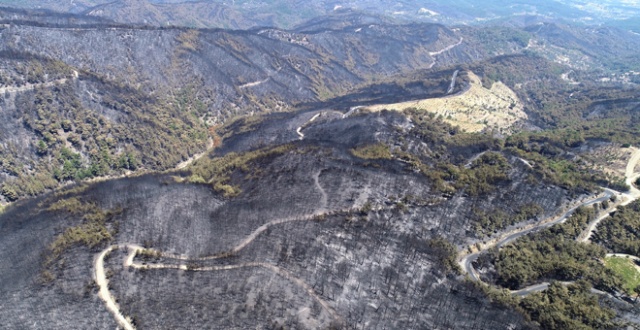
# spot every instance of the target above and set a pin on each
(103, 284)
(124, 322)
(627, 197)
(277, 270)
(443, 50)
(452, 86)
(195, 157)
(628, 256)
(466, 261)
(448, 48)
(325, 198)
(129, 262)
(606, 196)
(299, 129)
(351, 111)
(585, 236)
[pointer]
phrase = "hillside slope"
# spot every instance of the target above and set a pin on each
(91, 99)
(321, 233)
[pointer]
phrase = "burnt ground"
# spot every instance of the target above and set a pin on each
(375, 269)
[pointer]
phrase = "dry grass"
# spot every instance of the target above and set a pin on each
(608, 159)
(474, 110)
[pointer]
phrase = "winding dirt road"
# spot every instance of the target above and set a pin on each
(110, 301)
(103, 284)
(255, 83)
(446, 49)
(453, 82)
(195, 157)
(299, 129)
(325, 198)
(277, 270)
(129, 262)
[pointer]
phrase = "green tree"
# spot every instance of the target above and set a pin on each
(9, 193)
(42, 148)
(127, 161)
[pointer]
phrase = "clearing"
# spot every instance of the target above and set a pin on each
(627, 269)
(608, 158)
(474, 110)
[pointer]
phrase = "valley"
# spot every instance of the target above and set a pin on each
(334, 165)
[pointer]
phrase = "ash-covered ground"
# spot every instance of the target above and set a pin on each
(347, 243)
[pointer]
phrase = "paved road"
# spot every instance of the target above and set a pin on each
(467, 261)
(531, 289)
(607, 195)
(545, 285)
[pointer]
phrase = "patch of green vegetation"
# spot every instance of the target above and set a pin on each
(559, 107)
(619, 232)
(218, 170)
(449, 144)
(559, 307)
(195, 178)
(149, 254)
(567, 307)
(628, 272)
(496, 39)
(445, 254)
(484, 174)
(73, 142)
(71, 205)
(489, 222)
(548, 150)
(92, 231)
(227, 190)
(28, 185)
(553, 254)
(90, 234)
(372, 151)
(65, 193)
(482, 177)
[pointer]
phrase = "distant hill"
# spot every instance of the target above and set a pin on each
(288, 13)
